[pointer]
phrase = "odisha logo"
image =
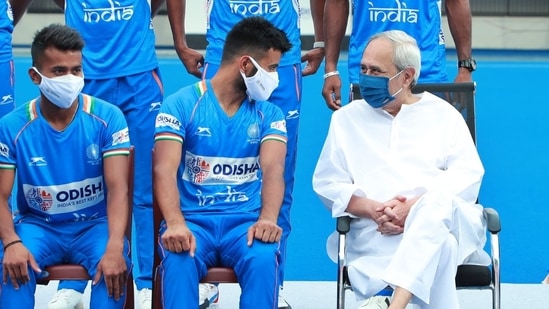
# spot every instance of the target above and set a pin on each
(198, 169)
(39, 199)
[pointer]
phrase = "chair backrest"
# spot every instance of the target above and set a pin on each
(460, 95)
(78, 272)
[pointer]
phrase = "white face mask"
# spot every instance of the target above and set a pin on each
(61, 90)
(261, 85)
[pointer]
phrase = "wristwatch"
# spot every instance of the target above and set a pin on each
(469, 63)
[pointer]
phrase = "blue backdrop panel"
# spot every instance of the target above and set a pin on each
(512, 129)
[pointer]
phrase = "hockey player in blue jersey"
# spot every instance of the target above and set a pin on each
(218, 172)
(222, 15)
(122, 68)
(69, 151)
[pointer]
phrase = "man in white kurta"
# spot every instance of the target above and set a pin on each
(409, 172)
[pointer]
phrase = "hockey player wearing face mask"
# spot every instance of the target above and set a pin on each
(228, 146)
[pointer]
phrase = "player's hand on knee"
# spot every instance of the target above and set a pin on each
(178, 239)
(264, 230)
(113, 269)
(15, 265)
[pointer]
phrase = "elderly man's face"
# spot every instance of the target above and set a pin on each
(377, 60)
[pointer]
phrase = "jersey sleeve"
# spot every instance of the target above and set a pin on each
(274, 123)
(170, 121)
(117, 137)
(7, 143)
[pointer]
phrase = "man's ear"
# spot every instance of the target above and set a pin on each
(34, 76)
(245, 65)
(409, 74)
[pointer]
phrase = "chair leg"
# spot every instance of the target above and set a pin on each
(130, 303)
(341, 273)
(157, 290)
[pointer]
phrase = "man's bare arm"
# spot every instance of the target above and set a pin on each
(336, 14)
(460, 24)
(271, 159)
(191, 59)
(155, 6)
(19, 7)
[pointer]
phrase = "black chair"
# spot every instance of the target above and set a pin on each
(462, 97)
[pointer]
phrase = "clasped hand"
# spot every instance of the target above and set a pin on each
(392, 215)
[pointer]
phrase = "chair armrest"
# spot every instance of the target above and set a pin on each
(492, 220)
(343, 224)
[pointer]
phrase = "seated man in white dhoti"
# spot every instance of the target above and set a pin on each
(405, 166)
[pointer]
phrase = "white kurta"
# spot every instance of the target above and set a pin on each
(425, 150)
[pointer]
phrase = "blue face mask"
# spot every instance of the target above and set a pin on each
(375, 89)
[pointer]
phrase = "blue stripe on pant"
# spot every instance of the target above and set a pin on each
(221, 240)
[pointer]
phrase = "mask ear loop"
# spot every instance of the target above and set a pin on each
(399, 90)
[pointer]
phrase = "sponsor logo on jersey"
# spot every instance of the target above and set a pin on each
(122, 136)
(155, 106)
(258, 7)
(112, 13)
(198, 169)
(65, 198)
(292, 114)
(203, 131)
(400, 14)
(7, 99)
(39, 199)
(167, 120)
(4, 150)
(220, 170)
(38, 161)
(279, 125)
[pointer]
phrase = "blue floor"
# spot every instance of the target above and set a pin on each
(512, 128)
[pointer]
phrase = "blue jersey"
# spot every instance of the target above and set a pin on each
(421, 19)
(6, 29)
(222, 15)
(219, 168)
(119, 36)
(60, 173)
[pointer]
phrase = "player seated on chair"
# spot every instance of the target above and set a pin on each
(406, 168)
(68, 150)
(218, 172)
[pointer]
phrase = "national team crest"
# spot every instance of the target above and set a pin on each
(39, 199)
(198, 169)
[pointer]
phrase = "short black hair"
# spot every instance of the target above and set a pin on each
(59, 36)
(254, 36)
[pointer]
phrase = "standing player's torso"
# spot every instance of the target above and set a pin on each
(421, 19)
(222, 15)
(6, 28)
(119, 36)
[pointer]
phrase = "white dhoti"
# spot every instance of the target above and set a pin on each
(440, 233)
